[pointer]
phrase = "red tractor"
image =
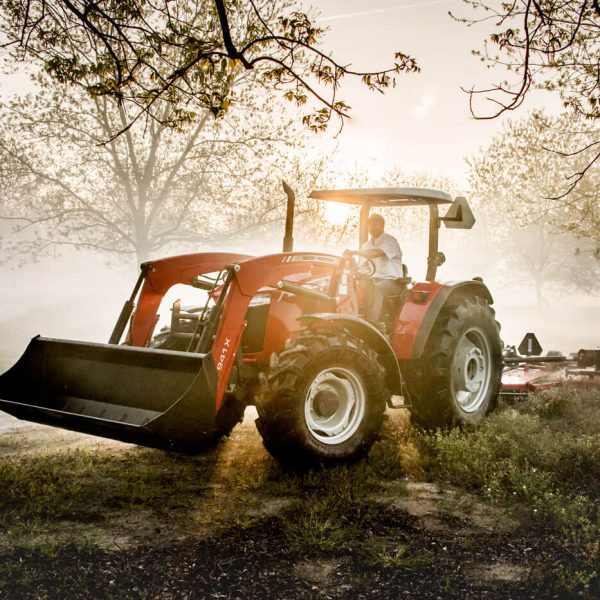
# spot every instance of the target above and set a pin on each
(285, 332)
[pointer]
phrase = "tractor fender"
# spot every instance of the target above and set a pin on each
(371, 336)
(448, 290)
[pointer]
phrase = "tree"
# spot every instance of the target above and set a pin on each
(185, 53)
(514, 181)
(536, 255)
(524, 169)
(550, 45)
(151, 189)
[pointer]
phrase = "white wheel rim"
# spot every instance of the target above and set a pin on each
(335, 405)
(471, 371)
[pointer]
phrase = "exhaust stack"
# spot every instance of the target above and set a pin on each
(288, 240)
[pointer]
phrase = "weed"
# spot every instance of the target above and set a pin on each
(398, 452)
(536, 459)
(573, 581)
(333, 506)
(575, 408)
(381, 553)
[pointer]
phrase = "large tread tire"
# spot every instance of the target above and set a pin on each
(283, 423)
(436, 380)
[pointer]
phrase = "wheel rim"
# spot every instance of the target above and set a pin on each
(471, 370)
(335, 405)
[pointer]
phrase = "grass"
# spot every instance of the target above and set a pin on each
(332, 507)
(64, 484)
(382, 553)
(94, 489)
(542, 459)
(232, 485)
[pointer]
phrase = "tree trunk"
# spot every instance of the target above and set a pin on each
(539, 293)
(141, 253)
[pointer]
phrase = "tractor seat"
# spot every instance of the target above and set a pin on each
(392, 303)
(404, 280)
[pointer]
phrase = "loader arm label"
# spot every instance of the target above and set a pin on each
(223, 355)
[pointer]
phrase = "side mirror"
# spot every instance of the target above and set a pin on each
(459, 215)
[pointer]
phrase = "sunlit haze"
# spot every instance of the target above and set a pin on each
(422, 126)
(425, 123)
(337, 213)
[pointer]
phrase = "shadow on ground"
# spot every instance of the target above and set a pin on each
(83, 517)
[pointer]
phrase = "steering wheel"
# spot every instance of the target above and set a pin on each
(366, 268)
(363, 271)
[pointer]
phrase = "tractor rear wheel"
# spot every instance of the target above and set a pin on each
(324, 402)
(457, 380)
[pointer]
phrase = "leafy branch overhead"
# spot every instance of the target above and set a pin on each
(545, 44)
(548, 44)
(186, 53)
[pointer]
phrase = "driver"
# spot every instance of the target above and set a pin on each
(383, 249)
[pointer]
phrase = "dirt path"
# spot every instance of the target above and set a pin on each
(86, 517)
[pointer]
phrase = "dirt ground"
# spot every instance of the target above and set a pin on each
(110, 520)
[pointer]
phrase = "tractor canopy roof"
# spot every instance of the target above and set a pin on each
(402, 197)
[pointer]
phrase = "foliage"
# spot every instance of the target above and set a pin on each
(549, 45)
(543, 462)
(185, 53)
(153, 188)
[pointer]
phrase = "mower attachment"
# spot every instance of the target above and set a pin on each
(158, 398)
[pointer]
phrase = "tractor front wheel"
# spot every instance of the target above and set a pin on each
(325, 401)
(458, 379)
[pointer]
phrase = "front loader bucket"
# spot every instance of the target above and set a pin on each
(156, 398)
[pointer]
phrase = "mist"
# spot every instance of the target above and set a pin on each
(423, 125)
(78, 295)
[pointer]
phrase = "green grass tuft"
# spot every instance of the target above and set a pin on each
(542, 458)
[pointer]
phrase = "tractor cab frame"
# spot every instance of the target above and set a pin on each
(458, 215)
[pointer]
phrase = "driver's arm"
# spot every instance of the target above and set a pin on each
(368, 253)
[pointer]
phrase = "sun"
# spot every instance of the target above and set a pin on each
(337, 213)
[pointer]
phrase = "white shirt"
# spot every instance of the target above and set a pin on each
(390, 265)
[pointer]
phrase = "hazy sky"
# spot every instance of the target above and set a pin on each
(424, 124)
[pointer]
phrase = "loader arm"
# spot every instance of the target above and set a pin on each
(160, 275)
(161, 398)
(250, 276)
